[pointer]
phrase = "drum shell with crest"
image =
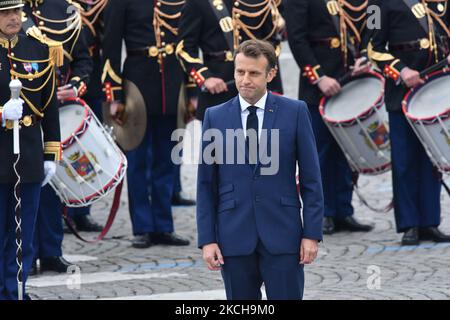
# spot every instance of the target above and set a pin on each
(427, 108)
(357, 119)
(92, 165)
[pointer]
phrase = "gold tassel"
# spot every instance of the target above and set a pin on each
(56, 52)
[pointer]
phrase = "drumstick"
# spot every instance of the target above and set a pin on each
(440, 65)
(228, 83)
(348, 75)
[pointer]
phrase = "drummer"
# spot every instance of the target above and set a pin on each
(325, 50)
(55, 20)
(418, 37)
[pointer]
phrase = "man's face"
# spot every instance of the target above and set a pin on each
(251, 76)
(10, 21)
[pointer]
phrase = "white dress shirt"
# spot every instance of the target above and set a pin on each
(261, 105)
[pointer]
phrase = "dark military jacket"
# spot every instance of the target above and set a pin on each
(200, 29)
(61, 20)
(28, 60)
(149, 30)
(402, 42)
(317, 44)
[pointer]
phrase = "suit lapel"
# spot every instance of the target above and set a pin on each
(235, 111)
(270, 113)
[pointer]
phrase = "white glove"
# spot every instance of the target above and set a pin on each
(49, 171)
(13, 109)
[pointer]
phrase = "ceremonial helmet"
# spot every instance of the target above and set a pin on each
(10, 4)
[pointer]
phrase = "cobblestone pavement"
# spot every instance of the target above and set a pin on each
(350, 265)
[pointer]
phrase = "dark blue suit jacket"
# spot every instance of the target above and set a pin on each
(236, 205)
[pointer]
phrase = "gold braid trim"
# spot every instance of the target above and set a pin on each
(56, 53)
(108, 71)
(183, 54)
(54, 148)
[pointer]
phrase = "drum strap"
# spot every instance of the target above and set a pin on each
(412, 4)
(109, 222)
(224, 20)
(355, 176)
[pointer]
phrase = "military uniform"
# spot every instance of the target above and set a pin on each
(149, 30)
(27, 59)
(325, 38)
(61, 21)
(416, 36)
(219, 36)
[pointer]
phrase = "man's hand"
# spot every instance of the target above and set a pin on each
(13, 109)
(361, 66)
(212, 256)
(329, 86)
(308, 251)
(215, 85)
(66, 92)
(49, 171)
(411, 77)
(117, 111)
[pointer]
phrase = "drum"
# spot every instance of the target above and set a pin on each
(92, 165)
(427, 108)
(357, 119)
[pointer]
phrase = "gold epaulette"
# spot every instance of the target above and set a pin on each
(56, 51)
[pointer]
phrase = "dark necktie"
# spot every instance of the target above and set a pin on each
(252, 125)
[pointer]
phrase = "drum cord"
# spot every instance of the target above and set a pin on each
(109, 221)
(355, 177)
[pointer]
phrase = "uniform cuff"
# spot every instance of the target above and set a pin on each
(52, 151)
(313, 73)
(112, 93)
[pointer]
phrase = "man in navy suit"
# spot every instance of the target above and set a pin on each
(249, 213)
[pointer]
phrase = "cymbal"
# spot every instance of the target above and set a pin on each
(131, 133)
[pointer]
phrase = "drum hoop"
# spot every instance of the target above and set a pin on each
(106, 189)
(363, 115)
(410, 94)
(82, 127)
(376, 170)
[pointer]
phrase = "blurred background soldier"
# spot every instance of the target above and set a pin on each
(326, 40)
(58, 20)
(151, 74)
(217, 27)
(416, 34)
(27, 59)
(93, 32)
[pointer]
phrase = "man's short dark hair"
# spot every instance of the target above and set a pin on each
(257, 48)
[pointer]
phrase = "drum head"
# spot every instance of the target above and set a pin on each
(431, 100)
(71, 117)
(356, 97)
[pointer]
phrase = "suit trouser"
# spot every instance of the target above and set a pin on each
(282, 276)
(336, 172)
(49, 233)
(415, 183)
(151, 178)
(29, 193)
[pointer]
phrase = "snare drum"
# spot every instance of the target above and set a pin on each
(427, 109)
(92, 165)
(358, 120)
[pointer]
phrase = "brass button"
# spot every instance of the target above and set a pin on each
(14, 66)
(38, 12)
(236, 4)
(219, 7)
(169, 49)
(153, 51)
(164, 55)
(441, 7)
(424, 43)
(228, 56)
(158, 4)
(27, 121)
(163, 33)
(335, 43)
(41, 23)
(12, 54)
